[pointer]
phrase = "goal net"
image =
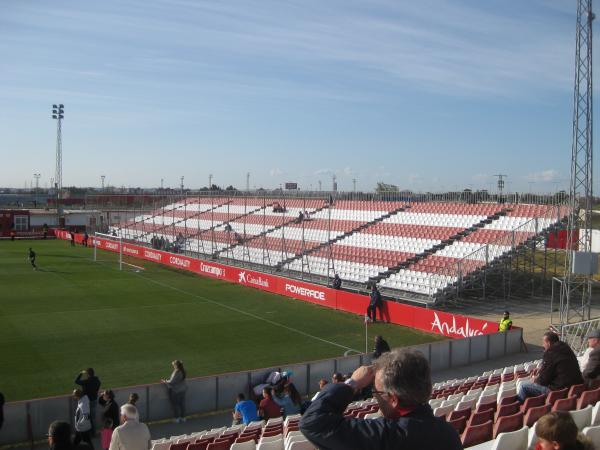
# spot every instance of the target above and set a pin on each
(108, 248)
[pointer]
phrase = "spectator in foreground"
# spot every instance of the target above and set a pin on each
(176, 386)
(244, 411)
(402, 388)
(506, 323)
(106, 434)
(59, 437)
(83, 425)
(557, 431)
(291, 402)
(131, 435)
(337, 377)
(111, 409)
(268, 409)
(90, 385)
(559, 370)
(381, 347)
(322, 384)
(591, 369)
(133, 398)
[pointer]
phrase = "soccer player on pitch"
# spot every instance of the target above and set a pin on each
(32, 258)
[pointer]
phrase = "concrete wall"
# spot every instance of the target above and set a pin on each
(212, 393)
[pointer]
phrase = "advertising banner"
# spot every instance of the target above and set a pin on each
(429, 320)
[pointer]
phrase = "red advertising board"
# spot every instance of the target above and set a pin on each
(558, 239)
(446, 324)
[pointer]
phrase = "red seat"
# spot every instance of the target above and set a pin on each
(556, 395)
(576, 390)
(247, 437)
(535, 412)
(198, 446)
(506, 424)
(565, 404)
(508, 410)
(530, 402)
(459, 424)
(466, 413)
(508, 400)
(486, 407)
(478, 418)
(477, 434)
(222, 445)
(182, 446)
(588, 398)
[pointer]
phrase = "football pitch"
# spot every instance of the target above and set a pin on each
(74, 313)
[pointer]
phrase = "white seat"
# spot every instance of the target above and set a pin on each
(271, 438)
(442, 411)
(593, 433)
(271, 445)
(582, 417)
(301, 445)
(514, 440)
(161, 445)
(596, 414)
(374, 415)
(248, 445)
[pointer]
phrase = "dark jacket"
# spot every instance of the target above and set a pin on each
(111, 411)
(375, 298)
(592, 369)
(381, 347)
(560, 368)
(90, 386)
(324, 425)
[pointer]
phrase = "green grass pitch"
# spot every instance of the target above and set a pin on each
(74, 313)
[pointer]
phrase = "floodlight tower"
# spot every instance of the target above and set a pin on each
(575, 295)
(500, 185)
(247, 181)
(102, 178)
(210, 177)
(58, 114)
(182, 177)
(37, 181)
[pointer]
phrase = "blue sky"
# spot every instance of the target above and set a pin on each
(427, 95)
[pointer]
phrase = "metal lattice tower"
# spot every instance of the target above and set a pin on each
(58, 112)
(576, 289)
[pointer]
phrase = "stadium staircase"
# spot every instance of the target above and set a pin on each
(338, 238)
(264, 233)
(165, 212)
(234, 219)
(432, 250)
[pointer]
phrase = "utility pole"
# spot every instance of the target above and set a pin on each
(500, 186)
(210, 177)
(37, 181)
(182, 185)
(248, 182)
(320, 186)
(58, 114)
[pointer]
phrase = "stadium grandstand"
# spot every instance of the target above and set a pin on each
(415, 250)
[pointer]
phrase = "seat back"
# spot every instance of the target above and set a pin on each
(219, 445)
(477, 434)
(301, 445)
(272, 445)
(508, 410)
(576, 390)
(442, 411)
(593, 433)
(514, 440)
(533, 401)
(533, 414)
(457, 414)
(565, 404)
(582, 417)
(246, 445)
(508, 423)
(459, 424)
(588, 398)
(181, 446)
(556, 395)
(478, 418)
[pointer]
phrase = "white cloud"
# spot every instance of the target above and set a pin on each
(276, 172)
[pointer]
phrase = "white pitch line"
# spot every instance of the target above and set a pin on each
(247, 314)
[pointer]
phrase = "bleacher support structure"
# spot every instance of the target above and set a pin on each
(421, 249)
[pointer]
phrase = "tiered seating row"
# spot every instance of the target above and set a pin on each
(275, 434)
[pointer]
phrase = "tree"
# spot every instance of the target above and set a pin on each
(383, 187)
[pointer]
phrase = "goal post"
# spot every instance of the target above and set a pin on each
(111, 238)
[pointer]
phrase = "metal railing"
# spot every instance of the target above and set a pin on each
(575, 334)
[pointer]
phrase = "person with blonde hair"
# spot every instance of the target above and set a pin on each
(557, 431)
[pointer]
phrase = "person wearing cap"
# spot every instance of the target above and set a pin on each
(591, 371)
(505, 324)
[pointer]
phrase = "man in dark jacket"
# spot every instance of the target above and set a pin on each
(591, 371)
(90, 385)
(402, 388)
(375, 304)
(381, 347)
(560, 369)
